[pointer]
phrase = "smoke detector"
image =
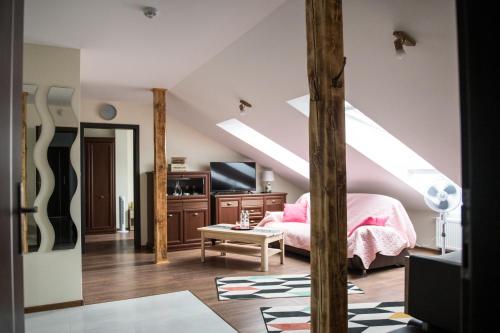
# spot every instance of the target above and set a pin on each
(150, 12)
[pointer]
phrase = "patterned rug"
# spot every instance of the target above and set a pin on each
(363, 317)
(269, 286)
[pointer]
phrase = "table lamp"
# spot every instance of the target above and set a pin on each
(268, 177)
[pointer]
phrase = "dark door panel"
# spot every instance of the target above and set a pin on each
(100, 185)
(194, 219)
(174, 227)
(11, 272)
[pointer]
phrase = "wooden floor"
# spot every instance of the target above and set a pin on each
(113, 271)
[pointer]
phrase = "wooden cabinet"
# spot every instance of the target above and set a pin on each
(194, 219)
(185, 213)
(274, 203)
(174, 227)
(226, 208)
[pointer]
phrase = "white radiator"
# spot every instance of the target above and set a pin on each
(453, 233)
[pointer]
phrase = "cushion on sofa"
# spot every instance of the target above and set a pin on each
(371, 220)
(295, 212)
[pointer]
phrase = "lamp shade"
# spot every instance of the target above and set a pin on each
(268, 176)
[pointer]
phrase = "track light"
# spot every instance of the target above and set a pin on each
(243, 107)
(402, 39)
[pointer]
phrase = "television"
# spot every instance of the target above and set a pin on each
(233, 176)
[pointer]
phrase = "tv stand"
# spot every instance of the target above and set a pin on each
(226, 207)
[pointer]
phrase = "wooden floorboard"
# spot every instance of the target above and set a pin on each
(113, 271)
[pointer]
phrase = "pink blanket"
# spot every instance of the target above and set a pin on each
(365, 241)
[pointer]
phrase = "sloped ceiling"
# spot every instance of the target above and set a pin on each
(209, 54)
(416, 99)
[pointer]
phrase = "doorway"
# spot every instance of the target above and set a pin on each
(110, 192)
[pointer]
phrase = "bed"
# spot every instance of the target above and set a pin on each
(368, 246)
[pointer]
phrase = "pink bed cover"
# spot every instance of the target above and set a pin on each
(366, 241)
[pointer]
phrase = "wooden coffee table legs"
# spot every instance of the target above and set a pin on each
(202, 247)
(258, 248)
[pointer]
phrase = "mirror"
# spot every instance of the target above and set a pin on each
(51, 181)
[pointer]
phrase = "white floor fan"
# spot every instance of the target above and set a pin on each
(443, 197)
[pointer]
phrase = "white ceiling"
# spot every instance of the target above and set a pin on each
(124, 53)
(212, 53)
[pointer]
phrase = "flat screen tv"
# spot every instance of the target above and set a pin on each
(233, 176)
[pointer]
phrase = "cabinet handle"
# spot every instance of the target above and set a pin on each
(251, 210)
(170, 215)
(273, 201)
(195, 214)
(229, 204)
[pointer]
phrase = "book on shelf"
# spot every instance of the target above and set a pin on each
(178, 167)
(178, 160)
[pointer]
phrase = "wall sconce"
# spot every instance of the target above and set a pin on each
(402, 39)
(243, 107)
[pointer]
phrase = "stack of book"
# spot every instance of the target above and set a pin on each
(178, 164)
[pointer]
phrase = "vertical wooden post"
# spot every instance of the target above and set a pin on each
(24, 174)
(325, 62)
(160, 176)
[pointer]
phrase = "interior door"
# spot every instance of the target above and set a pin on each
(11, 272)
(100, 185)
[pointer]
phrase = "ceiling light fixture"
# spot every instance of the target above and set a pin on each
(402, 39)
(243, 107)
(150, 12)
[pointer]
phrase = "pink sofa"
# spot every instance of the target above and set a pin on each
(365, 243)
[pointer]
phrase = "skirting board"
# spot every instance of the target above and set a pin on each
(55, 306)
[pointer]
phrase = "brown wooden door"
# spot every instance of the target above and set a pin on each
(228, 210)
(194, 219)
(100, 185)
(174, 227)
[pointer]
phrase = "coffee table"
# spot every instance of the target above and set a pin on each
(255, 242)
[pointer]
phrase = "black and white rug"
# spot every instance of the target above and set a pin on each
(269, 286)
(363, 317)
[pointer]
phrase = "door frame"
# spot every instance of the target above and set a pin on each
(111, 141)
(137, 188)
(11, 67)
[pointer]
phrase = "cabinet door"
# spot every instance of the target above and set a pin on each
(174, 227)
(194, 219)
(228, 211)
(274, 204)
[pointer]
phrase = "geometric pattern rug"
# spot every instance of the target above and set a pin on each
(269, 286)
(363, 317)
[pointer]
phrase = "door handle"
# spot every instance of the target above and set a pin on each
(101, 196)
(28, 210)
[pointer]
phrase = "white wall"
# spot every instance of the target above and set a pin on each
(182, 140)
(56, 276)
(425, 227)
(131, 114)
(200, 150)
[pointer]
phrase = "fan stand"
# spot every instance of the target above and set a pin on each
(442, 218)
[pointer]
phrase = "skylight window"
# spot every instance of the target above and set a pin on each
(373, 141)
(267, 146)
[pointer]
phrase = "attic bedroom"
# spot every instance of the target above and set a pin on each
(166, 158)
